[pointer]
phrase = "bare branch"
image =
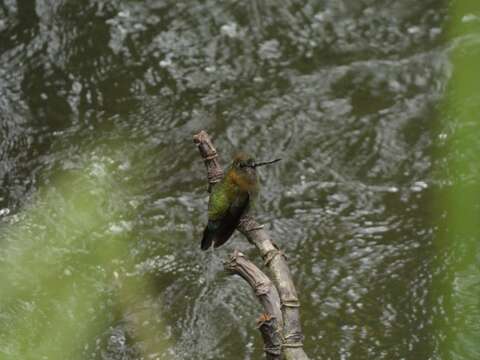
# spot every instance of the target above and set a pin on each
(292, 332)
(210, 156)
(270, 321)
(275, 261)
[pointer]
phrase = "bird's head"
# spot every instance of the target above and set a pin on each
(244, 166)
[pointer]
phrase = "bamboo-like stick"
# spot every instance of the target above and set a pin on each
(270, 321)
(292, 344)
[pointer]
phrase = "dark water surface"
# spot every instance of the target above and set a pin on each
(348, 93)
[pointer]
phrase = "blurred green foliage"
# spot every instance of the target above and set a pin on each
(66, 272)
(459, 289)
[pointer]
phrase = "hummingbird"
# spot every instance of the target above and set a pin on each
(232, 197)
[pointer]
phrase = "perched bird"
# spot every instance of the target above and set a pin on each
(230, 199)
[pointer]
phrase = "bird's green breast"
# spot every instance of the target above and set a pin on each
(228, 193)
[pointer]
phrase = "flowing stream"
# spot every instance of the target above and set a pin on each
(103, 194)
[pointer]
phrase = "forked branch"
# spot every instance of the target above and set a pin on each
(270, 321)
(292, 336)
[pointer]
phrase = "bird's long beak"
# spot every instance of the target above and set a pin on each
(265, 163)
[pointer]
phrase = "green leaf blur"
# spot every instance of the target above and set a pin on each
(458, 245)
(65, 271)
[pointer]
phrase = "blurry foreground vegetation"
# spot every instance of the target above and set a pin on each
(459, 218)
(66, 277)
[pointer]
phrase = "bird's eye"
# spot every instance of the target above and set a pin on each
(242, 164)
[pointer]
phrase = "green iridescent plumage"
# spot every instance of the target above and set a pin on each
(232, 197)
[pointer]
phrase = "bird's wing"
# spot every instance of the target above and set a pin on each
(218, 203)
(219, 230)
(231, 220)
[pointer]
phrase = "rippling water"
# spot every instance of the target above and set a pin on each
(348, 93)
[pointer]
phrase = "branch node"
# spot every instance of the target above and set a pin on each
(231, 263)
(293, 345)
(270, 255)
(259, 227)
(294, 340)
(262, 287)
(211, 156)
(291, 303)
(268, 326)
(276, 351)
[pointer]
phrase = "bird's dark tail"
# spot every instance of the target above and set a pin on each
(217, 232)
(208, 235)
